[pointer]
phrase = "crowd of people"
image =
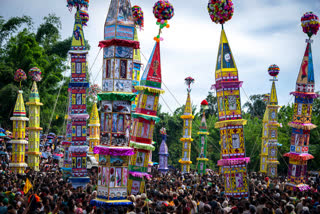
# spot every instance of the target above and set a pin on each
(170, 193)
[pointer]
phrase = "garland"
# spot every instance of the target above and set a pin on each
(144, 146)
(150, 89)
(112, 96)
(221, 124)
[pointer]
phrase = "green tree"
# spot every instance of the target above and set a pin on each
(44, 49)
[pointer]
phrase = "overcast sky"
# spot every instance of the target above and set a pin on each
(261, 32)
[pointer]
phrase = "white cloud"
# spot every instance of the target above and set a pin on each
(261, 32)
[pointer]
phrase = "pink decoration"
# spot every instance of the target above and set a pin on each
(233, 161)
(113, 151)
(140, 175)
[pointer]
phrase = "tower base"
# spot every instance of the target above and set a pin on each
(79, 181)
(102, 203)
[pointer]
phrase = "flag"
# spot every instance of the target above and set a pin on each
(27, 186)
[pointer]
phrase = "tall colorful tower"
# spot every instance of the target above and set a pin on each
(34, 128)
(78, 87)
(233, 159)
(264, 138)
(230, 122)
(136, 71)
(144, 121)
(302, 112)
(186, 139)
(116, 99)
(19, 119)
(270, 162)
(94, 130)
(203, 133)
(163, 152)
(67, 159)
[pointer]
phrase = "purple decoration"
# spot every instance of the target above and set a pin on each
(233, 161)
(113, 151)
(140, 174)
(301, 94)
(79, 116)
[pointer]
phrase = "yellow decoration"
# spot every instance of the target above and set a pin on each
(186, 139)
(221, 124)
(94, 130)
(152, 90)
(27, 186)
(206, 133)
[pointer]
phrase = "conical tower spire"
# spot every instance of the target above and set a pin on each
(273, 96)
(19, 108)
(226, 68)
(188, 107)
(94, 116)
(34, 95)
(119, 22)
(305, 80)
(78, 40)
(152, 74)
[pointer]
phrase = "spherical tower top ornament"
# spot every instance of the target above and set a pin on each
(310, 24)
(35, 73)
(220, 11)
(20, 75)
(273, 70)
(163, 11)
(138, 17)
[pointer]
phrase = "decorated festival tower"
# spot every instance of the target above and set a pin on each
(144, 122)
(264, 138)
(94, 130)
(67, 159)
(269, 148)
(116, 99)
(138, 17)
(187, 130)
(94, 121)
(163, 152)
(203, 133)
(78, 87)
(34, 122)
(19, 119)
(230, 122)
(302, 112)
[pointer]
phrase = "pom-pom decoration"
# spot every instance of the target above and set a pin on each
(77, 4)
(20, 75)
(84, 16)
(35, 73)
(163, 11)
(94, 90)
(189, 81)
(310, 24)
(273, 70)
(138, 18)
(163, 131)
(204, 105)
(220, 11)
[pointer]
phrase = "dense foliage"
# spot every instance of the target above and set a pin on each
(23, 47)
